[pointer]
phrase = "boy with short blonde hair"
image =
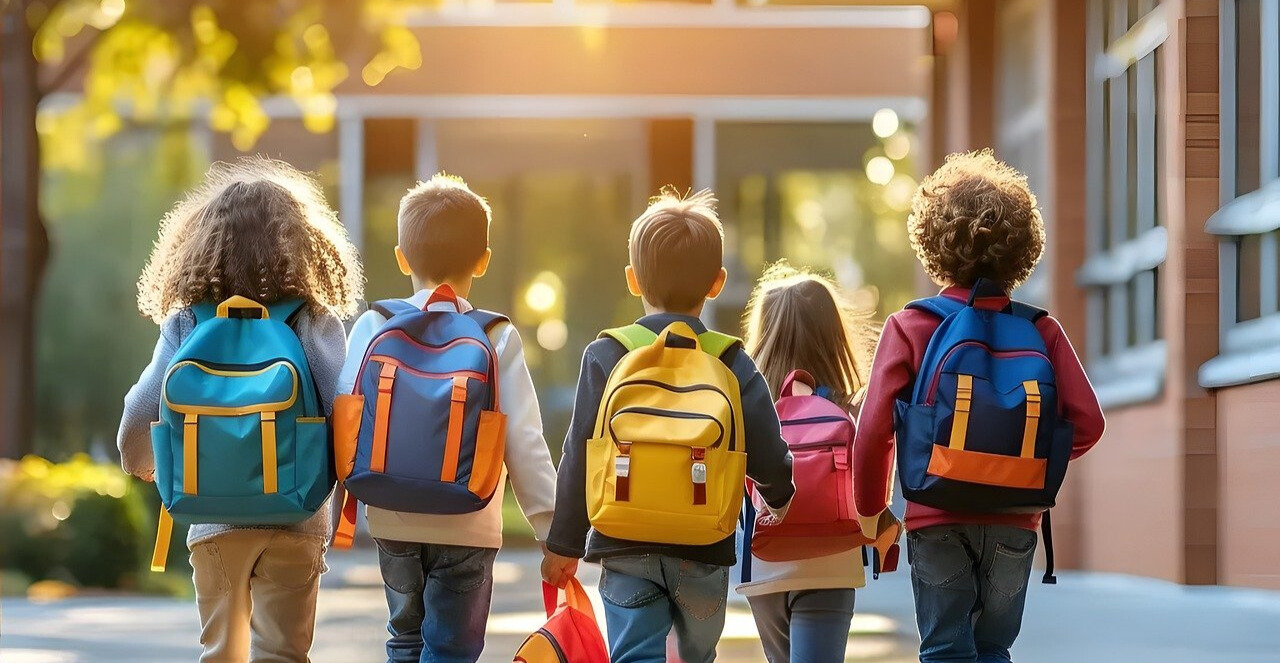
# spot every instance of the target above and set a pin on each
(676, 252)
(975, 227)
(438, 569)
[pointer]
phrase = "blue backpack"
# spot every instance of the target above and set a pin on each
(242, 437)
(422, 432)
(981, 433)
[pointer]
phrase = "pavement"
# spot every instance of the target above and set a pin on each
(1086, 617)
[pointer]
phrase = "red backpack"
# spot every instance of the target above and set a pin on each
(822, 520)
(571, 634)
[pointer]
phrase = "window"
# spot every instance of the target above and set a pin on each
(1023, 110)
(1126, 243)
(1249, 220)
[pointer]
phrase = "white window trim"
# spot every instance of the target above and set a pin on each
(1248, 351)
(1136, 373)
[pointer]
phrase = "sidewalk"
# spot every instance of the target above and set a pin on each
(1087, 617)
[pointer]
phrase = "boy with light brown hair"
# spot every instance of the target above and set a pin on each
(676, 251)
(438, 569)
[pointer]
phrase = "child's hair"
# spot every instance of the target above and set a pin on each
(677, 249)
(799, 319)
(443, 227)
(975, 217)
(257, 228)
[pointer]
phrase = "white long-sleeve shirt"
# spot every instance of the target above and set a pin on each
(527, 461)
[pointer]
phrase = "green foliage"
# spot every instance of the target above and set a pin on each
(92, 343)
(78, 521)
(177, 60)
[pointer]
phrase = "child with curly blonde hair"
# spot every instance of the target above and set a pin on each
(262, 230)
(977, 231)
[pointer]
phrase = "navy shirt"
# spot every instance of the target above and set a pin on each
(768, 460)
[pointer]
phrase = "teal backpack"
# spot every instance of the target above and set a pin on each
(242, 437)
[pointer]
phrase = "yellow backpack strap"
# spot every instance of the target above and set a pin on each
(164, 533)
(716, 344)
(631, 337)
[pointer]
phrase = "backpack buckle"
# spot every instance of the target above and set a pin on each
(699, 469)
(622, 462)
(386, 378)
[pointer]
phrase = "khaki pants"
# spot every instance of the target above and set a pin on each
(256, 592)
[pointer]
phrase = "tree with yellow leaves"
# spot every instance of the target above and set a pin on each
(112, 61)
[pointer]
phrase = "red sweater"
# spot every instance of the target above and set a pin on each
(898, 358)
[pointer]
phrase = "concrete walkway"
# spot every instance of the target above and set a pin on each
(1087, 617)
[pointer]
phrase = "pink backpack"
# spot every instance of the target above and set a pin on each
(822, 519)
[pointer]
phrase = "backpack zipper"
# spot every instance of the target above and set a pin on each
(368, 354)
(554, 645)
(932, 393)
(231, 370)
(672, 414)
(387, 359)
(814, 420)
(733, 424)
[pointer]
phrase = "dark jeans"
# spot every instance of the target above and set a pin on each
(809, 626)
(646, 596)
(970, 584)
(439, 599)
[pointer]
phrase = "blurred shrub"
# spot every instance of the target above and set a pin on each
(79, 521)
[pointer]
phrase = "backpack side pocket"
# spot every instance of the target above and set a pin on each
(347, 412)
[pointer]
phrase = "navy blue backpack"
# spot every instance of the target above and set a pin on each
(981, 433)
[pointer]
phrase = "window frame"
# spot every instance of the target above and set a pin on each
(1249, 351)
(1128, 372)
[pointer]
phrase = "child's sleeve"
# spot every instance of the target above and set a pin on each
(326, 348)
(357, 343)
(142, 406)
(528, 461)
(891, 373)
(570, 525)
(768, 457)
(1077, 401)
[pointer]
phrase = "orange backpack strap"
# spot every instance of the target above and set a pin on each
(345, 535)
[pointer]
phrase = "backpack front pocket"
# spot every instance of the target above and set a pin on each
(228, 415)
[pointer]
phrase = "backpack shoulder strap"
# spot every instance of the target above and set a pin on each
(1027, 311)
(487, 320)
(631, 336)
(204, 311)
(286, 310)
(938, 305)
(716, 344)
(390, 308)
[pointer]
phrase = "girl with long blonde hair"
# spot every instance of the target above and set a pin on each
(798, 319)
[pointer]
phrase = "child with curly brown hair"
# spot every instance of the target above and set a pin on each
(262, 230)
(974, 226)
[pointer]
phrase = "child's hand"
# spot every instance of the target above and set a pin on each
(556, 569)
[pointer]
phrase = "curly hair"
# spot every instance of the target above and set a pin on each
(257, 228)
(799, 319)
(975, 217)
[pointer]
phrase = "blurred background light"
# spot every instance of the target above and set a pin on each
(885, 122)
(552, 334)
(880, 170)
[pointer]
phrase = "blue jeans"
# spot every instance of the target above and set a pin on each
(970, 584)
(646, 596)
(439, 599)
(810, 626)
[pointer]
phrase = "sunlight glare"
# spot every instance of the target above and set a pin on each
(885, 122)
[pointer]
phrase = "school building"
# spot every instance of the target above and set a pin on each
(1149, 129)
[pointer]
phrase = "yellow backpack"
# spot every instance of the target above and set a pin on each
(667, 462)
